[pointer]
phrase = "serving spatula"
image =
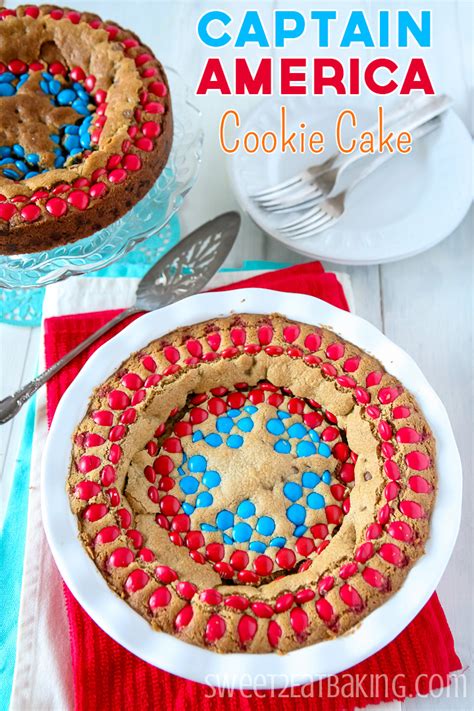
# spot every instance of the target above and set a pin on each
(183, 271)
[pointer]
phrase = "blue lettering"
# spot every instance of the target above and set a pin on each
(420, 33)
(323, 16)
(384, 28)
(282, 31)
(357, 30)
(252, 30)
(203, 28)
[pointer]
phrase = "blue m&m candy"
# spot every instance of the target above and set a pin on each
(189, 484)
(204, 499)
(65, 96)
(305, 449)
(282, 446)
(71, 142)
(211, 479)
(246, 509)
(85, 140)
(315, 501)
(300, 530)
(224, 424)
(257, 547)
(54, 86)
(213, 439)
(207, 527)
(242, 532)
(245, 424)
(6, 77)
(297, 430)
(7, 90)
(324, 450)
(275, 427)
(80, 107)
(292, 491)
(265, 525)
(21, 165)
(23, 79)
(234, 441)
(310, 480)
(197, 463)
(296, 514)
(225, 520)
(278, 542)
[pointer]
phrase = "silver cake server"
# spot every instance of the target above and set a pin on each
(183, 271)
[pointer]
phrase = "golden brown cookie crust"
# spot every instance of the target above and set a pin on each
(152, 422)
(132, 128)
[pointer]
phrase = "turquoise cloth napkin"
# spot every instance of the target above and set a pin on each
(12, 547)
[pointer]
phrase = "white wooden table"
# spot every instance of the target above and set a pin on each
(424, 304)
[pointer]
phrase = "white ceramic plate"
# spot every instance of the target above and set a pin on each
(124, 625)
(405, 207)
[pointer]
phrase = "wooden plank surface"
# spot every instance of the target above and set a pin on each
(434, 325)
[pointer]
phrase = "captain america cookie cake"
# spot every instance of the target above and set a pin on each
(253, 483)
(86, 125)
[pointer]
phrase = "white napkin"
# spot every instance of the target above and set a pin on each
(43, 674)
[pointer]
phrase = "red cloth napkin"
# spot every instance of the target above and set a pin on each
(106, 676)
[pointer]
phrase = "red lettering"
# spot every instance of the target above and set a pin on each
(354, 75)
(336, 79)
(417, 78)
(288, 76)
(370, 80)
(213, 78)
(380, 76)
(259, 83)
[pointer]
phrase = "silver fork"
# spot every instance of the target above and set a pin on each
(308, 188)
(330, 210)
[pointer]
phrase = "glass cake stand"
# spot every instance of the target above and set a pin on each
(149, 216)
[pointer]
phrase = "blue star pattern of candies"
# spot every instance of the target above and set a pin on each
(233, 538)
(65, 88)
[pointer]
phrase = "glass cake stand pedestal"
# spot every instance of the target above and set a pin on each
(148, 219)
